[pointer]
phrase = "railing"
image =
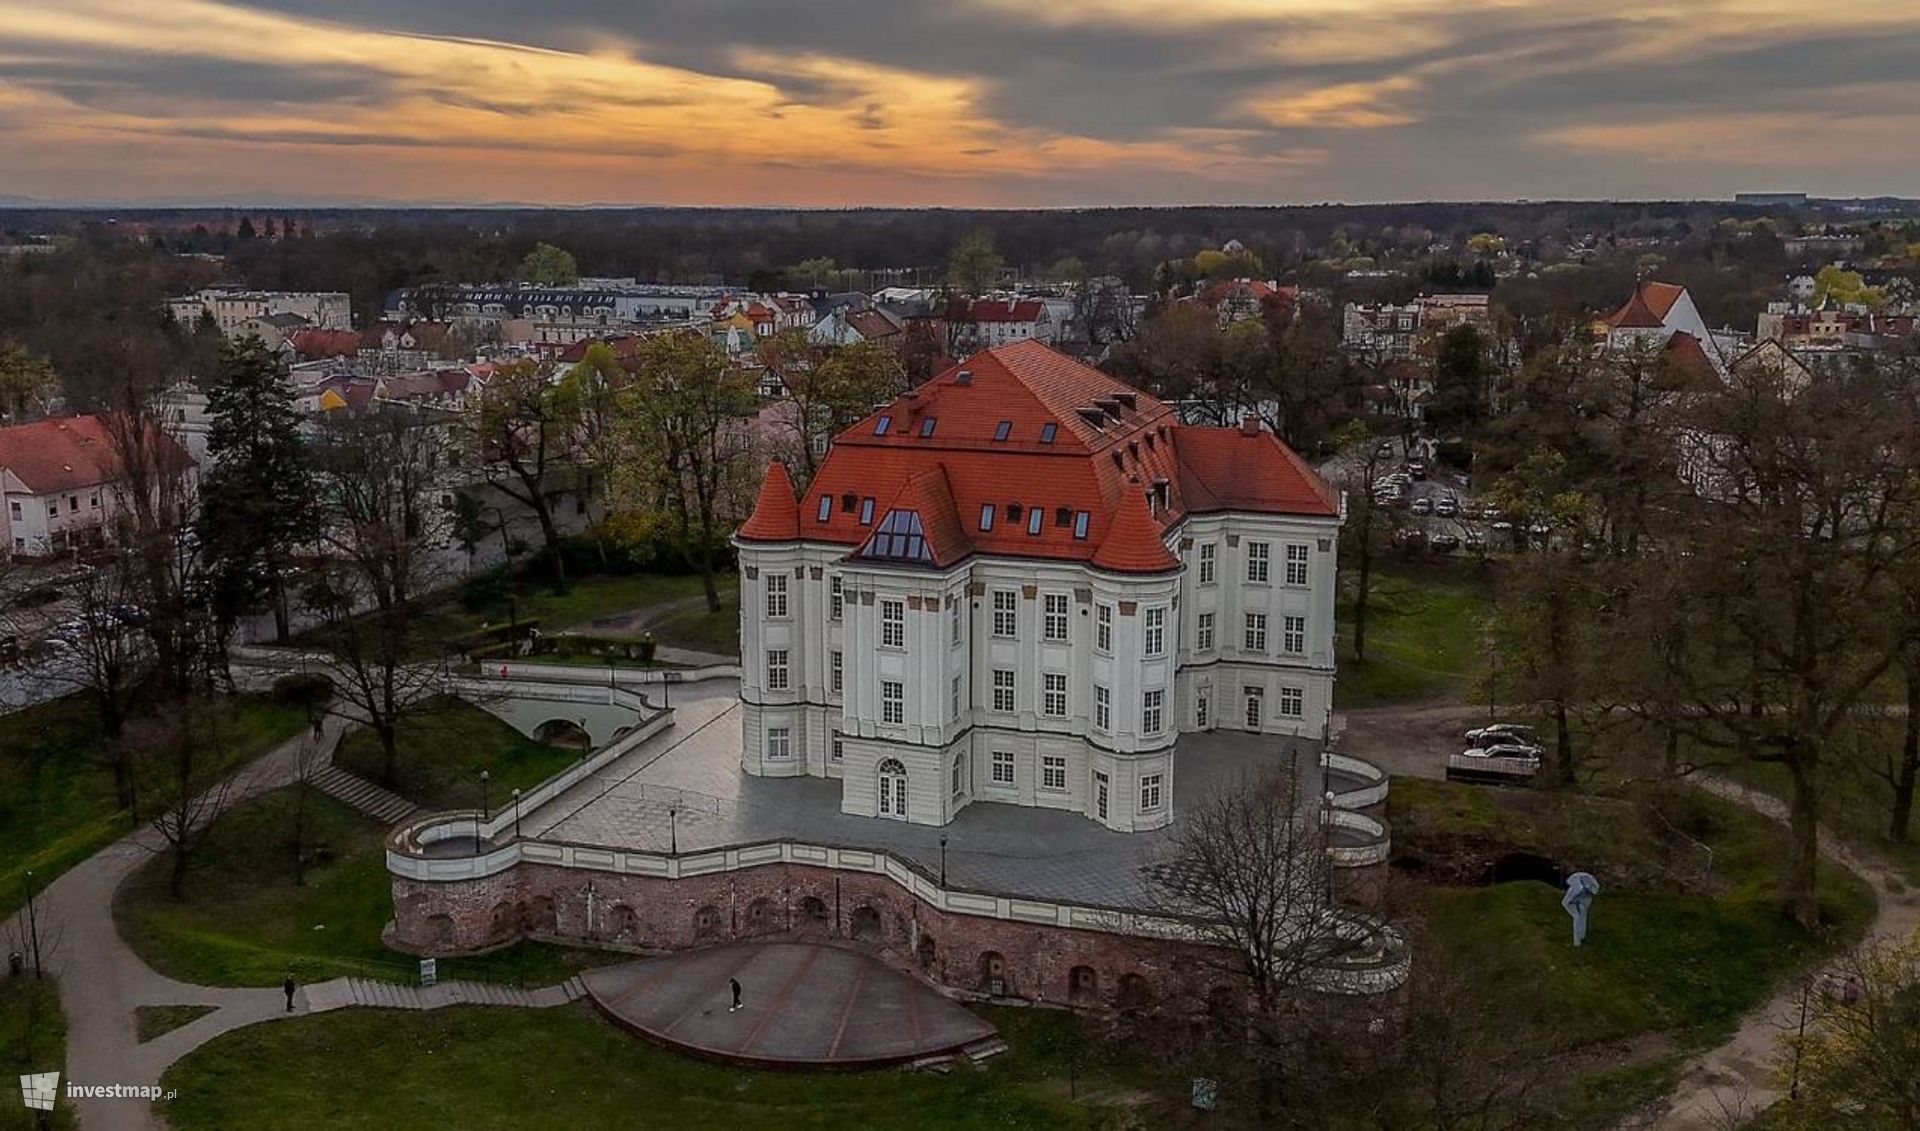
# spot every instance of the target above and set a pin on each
(1468, 767)
(607, 674)
(1373, 792)
(1375, 846)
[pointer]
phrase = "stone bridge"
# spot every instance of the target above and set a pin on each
(546, 711)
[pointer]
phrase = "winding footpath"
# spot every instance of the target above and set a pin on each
(1736, 1081)
(103, 982)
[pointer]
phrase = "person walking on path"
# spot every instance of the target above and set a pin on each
(288, 986)
(735, 983)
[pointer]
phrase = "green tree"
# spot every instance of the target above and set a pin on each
(523, 431)
(815, 273)
(257, 505)
(27, 383)
(1846, 288)
(1460, 377)
(687, 453)
(973, 266)
(549, 266)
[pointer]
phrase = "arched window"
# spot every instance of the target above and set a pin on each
(893, 789)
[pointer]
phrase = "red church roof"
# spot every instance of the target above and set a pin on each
(1648, 307)
(1021, 451)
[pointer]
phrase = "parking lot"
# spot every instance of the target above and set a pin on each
(1435, 508)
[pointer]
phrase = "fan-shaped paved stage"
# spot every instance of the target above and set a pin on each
(803, 1005)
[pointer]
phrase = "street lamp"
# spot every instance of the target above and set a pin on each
(943, 859)
(516, 814)
(485, 777)
(673, 829)
(33, 929)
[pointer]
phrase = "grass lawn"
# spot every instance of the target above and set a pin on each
(150, 1021)
(30, 1006)
(442, 752)
(244, 922)
(1423, 633)
(485, 1069)
(57, 804)
(1855, 805)
(1674, 951)
(702, 631)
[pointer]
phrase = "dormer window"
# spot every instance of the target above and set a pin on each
(1048, 432)
(826, 507)
(1013, 512)
(1119, 461)
(849, 501)
(926, 427)
(1002, 430)
(882, 426)
(986, 516)
(1063, 516)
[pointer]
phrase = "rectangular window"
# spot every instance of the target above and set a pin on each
(1292, 703)
(953, 699)
(1002, 430)
(953, 618)
(73, 503)
(986, 516)
(1053, 695)
(776, 596)
(1258, 554)
(882, 426)
(1080, 525)
(1296, 563)
(1053, 772)
(893, 702)
(1002, 767)
(837, 671)
(926, 427)
(959, 774)
(1102, 708)
(1003, 690)
(1054, 623)
(1152, 711)
(779, 744)
(53, 508)
(1150, 793)
(1103, 628)
(1156, 621)
(1035, 518)
(839, 748)
(866, 512)
(1006, 613)
(826, 507)
(1048, 432)
(1253, 696)
(16, 508)
(1203, 632)
(1255, 638)
(893, 624)
(1293, 636)
(96, 501)
(836, 600)
(1206, 563)
(777, 670)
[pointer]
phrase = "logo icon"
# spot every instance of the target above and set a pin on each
(39, 1090)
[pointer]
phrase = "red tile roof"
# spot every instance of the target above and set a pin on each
(312, 344)
(1648, 307)
(71, 452)
(999, 310)
(776, 516)
(1077, 443)
(1136, 543)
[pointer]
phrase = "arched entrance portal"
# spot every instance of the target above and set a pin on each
(893, 789)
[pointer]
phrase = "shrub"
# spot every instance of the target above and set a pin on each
(305, 689)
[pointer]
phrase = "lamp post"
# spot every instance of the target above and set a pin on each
(485, 777)
(516, 814)
(33, 929)
(943, 860)
(673, 830)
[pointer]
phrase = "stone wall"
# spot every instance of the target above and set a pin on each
(976, 954)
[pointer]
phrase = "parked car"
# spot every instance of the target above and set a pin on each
(1422, 505)
(1504, 750)
(133, 616)
(1501, 732)
(1476, 542)
(1411, 538)
(1417, 468)
(1443, 543)
(1446, 506)
(1470, 509)
(1384, 451)
(72, 631)
(50, 648)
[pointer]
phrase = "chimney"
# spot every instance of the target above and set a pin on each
(1249, 425)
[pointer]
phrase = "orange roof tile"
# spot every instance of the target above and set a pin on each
(1135, 544)
(1035, 453)
(776, 515)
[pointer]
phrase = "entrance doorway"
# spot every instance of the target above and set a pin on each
(893, 789)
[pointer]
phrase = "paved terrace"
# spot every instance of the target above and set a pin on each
(1002, 849)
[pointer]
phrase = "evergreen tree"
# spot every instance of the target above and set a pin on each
(256, 501)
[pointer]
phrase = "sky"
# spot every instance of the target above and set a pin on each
(983, 103)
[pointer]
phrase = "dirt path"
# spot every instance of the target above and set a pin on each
(1735, 1081)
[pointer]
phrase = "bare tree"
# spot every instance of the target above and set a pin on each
(190, 781)
(108, 665)
(1250, 876)
(156, 492)
(526, 431)
(1856, 1061)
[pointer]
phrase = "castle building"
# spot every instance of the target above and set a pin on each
(1023, 582)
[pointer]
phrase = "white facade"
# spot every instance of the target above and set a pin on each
(1048, 684)
(232, 310)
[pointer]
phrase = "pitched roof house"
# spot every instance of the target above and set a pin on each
(63, 482)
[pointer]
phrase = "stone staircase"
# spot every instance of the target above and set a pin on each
(341, 993)
(382, 805)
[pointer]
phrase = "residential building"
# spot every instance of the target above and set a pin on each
(1022, 582)
(232, 308)
(1384, 331)
(988, 322)
(63, 485)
